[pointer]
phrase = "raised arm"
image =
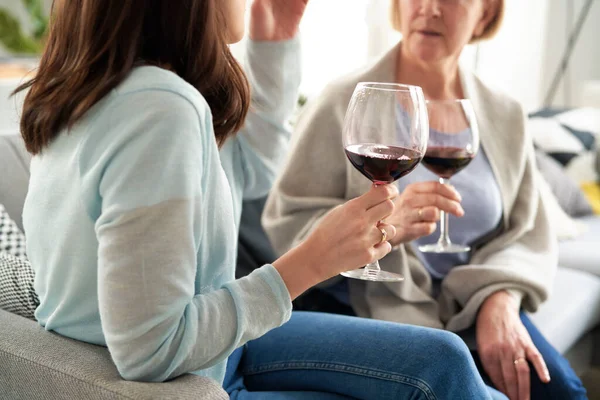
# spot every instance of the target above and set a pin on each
(314, 179)
(273, 65)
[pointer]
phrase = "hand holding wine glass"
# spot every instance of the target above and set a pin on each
(385, 136)
(453, 143)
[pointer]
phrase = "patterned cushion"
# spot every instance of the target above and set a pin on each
(12, 240)
(16, 286)
(565, 134)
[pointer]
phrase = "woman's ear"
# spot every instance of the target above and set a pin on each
(489, 12)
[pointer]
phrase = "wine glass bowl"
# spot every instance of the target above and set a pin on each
(453, 144)
(385, 137)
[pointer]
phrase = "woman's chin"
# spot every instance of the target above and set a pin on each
(427, 53)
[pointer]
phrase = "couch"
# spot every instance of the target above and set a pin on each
(36, 364)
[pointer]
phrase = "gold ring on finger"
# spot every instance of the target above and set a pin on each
(383, 235)
(420, 214)
(519, 360)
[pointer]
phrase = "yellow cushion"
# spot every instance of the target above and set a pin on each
(592, 193)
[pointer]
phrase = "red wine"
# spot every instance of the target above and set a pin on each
(382, 164)
(446, 161)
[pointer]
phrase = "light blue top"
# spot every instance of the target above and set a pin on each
(131, 221)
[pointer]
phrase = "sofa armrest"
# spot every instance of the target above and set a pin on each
(37, 364)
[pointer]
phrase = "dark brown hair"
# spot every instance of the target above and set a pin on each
(93, 45)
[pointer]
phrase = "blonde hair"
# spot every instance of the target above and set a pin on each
(490, 30)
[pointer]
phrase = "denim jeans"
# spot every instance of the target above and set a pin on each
(564, 383)
(327, 357)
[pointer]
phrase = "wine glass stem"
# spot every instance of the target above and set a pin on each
(444, 239)
(372, 269)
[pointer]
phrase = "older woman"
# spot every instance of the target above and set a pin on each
(511, 267)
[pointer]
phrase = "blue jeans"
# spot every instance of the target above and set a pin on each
(328, 357)
(564, 384)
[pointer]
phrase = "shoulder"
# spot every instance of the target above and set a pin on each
(152, 109)
(493, 98)
(162, 88)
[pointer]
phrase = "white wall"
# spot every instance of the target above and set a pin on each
(525, 54)
(514, 59)
(585, 60)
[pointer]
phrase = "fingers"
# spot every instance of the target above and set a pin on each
(381, 250)
(423, 229)
(447, 191)
(494, 371)
(424, 195)
(379, 237)
(426, 214)
(423, 200)
(380, 211)
(378, 194)
(509, 376)
(538, 363)
(524, 383)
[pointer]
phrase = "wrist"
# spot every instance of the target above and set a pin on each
(502, 300)
(298, 271)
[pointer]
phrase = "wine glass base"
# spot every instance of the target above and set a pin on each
(375, 276)
(444, 248)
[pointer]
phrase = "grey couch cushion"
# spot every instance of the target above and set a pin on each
(572, 310)
(598, 161)
(14, 175)
(567, 192)
(36, 364)
(582, 252)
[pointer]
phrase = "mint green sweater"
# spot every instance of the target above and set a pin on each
(132, 221)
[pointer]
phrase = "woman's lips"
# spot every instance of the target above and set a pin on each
(430, 33)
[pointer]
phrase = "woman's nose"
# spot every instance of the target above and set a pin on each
(430, 8)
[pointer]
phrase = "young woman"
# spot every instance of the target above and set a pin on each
(134, 197)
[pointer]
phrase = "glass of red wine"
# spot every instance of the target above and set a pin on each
(385, 137)
(453, 143)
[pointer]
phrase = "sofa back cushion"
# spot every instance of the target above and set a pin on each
(14, 175)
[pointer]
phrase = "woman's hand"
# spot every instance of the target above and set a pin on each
(275, 20)
(418, 210)
(505, 347)
(348, 237)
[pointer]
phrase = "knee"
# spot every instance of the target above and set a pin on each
(450, 350)
(456, 376)
(449, 346)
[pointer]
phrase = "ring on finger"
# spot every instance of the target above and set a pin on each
(383, 235)
(420, 214)
(519, 360)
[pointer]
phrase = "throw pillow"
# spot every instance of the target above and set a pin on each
(566, 227)
(567, 192)
(592, 192)
(16, 286)
(12, 240)
(565, 134)
(598, 161)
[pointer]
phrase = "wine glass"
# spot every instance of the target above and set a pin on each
(453, 143)
(385, 136)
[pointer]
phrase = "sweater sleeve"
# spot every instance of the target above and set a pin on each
(314, 179)
(159, 317)
(523, 259)
(273, 69)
